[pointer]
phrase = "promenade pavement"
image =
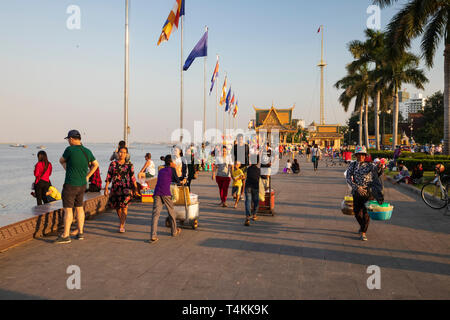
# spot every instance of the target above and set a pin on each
(308, 250)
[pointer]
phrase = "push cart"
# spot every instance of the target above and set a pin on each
(187, 214)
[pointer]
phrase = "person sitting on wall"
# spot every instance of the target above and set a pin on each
(417, 174)
(403, 175)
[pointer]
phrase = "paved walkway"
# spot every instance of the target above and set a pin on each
(309, 250)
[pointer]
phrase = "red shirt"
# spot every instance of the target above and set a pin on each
(39, 169)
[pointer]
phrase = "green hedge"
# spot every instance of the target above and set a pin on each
(381, 154)
(408, 155)
(428, 164)
(420, 155)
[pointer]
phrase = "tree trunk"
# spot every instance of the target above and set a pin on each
(366, 122)
(395, 121)
(377, 120)
(447, 98)
(383, 130)
(360, 139)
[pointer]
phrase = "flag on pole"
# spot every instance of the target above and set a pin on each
(227, 106)
(224, 92)
(231, 103)
(235, 109)
(215, 75)
(200, 50)
(173, 19)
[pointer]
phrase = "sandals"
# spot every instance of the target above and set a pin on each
(177, 233)
(153, 240)
(122, 230)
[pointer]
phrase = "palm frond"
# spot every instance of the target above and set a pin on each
(384, 3)
(433, 34)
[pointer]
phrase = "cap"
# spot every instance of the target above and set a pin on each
(73, 134)
(360, 149)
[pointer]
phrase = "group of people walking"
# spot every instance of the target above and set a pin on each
(120, 184)
(242, 168)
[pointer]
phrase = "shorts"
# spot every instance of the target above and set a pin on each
(72, 196)
(235, 190)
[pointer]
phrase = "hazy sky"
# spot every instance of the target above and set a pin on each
(54, 79)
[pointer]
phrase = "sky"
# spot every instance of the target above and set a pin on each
(54, 79)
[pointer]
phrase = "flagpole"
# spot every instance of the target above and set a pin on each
(224, 119)
(204, 96)
(181, 86)
(126, 75)
(217, 106)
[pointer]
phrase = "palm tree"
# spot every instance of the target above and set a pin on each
(429, 18)
(372, 50)
(358, 86)
(398, 70)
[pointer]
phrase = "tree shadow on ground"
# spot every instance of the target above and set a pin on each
(334, 255)
(14, 295)
(346, 245)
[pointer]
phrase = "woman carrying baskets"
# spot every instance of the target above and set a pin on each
(363, 179)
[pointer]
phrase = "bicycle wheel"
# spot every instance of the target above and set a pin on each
(434, 196)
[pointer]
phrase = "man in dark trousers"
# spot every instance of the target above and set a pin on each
(241, 152)
(251, 190)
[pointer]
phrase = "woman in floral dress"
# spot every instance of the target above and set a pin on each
(121, 177)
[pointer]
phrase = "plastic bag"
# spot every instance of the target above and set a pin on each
(262, 191)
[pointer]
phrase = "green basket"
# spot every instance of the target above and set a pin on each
(379, 212)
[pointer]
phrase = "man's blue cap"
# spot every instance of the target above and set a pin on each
(73, 134)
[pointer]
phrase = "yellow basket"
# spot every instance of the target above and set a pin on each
(147, 198)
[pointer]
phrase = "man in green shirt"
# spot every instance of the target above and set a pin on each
(80, 165)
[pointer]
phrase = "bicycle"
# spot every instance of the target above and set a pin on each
(435, 192)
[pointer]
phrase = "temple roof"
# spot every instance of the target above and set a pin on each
(274, 119)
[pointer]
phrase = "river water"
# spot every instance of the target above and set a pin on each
(17, 166)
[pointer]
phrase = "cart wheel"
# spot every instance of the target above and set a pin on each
(167, 222)
(195, 224)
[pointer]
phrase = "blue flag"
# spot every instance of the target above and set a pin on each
(227, 101)
(200, 50)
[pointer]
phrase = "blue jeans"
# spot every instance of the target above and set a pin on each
(251, 195)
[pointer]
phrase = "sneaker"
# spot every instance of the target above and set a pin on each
(363, 237)
(63, 240)
(80, 236)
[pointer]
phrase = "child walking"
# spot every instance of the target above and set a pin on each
(238, 177)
